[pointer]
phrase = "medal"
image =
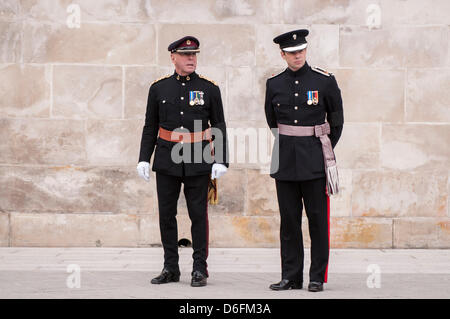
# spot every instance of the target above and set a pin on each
(310, 98)
(316, 97)
(201, 93)
(196, 100)
(191, 98)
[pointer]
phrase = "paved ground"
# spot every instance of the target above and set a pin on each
(234, 273)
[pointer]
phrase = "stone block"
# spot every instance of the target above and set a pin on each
(113, 142)
(359, 146)
(361, 233)
(74, 230)
(244, 231)
(372, 95)
(87, 92)
(91, 43)
(106, 10)
(427, 95)
(42, 141)
(399, 194)
(25, 90)
(67, 189)
(222, 49)
(137, 85)
(415, 146)
(422, 233)
(4, 230)
(9, 9)
(414, 12)
(395, 47)
(262, 194)
(341, 203)
(10, 41)
(242, 103)
(217, 11)
(326, 12)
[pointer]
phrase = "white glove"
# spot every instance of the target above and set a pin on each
(218, 170)
(143, 170)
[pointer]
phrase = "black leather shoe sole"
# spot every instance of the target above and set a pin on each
(315, 288)
(201, 283)
(166, 281)
(292, 285)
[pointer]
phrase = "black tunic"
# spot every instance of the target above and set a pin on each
(168, 107)
(301, 158)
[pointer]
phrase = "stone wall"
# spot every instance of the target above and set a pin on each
(72, 104)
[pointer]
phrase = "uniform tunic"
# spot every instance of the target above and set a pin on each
(301, 157)
(168, 106)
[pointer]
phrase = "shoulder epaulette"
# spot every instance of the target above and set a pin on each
(162, 78)
(205, 78)
(321, 71)
(275, 75)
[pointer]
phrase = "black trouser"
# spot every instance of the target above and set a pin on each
(290, 196)
(196, 194)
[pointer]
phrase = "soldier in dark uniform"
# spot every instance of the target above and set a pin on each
(303, 108)
(184, 114)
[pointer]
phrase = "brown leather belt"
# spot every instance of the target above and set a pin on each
(320, 131)
(185, 137)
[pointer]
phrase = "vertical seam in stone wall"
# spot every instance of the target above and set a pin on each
(393, 233)
(245, 212)
(9, 229)
(123, 92)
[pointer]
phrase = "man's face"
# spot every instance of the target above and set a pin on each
(185, 63)
(295, 60)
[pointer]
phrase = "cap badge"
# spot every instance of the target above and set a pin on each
(294, 36)
(188, 42)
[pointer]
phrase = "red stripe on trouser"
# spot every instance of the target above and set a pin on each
(207, 237)
(328, 221)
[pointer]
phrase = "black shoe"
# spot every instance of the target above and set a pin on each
(165, 277)
(286, 284)
(198, 279)
(315, 286)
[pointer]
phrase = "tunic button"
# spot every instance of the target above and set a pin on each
(296, 108)
(295, 121)
(278, 104)
(296, 82)
(183, 84)
(181, 112)
(181, 127)
(182, 98)
(296, 94)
